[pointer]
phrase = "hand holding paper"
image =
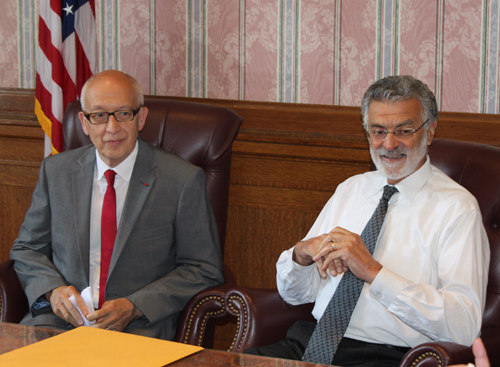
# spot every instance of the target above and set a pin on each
(87, 297)
(63, 307)
(115, 314)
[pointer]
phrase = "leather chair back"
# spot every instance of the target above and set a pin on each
(477, 168)
(201, 134)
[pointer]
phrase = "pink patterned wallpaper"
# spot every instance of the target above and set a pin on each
(298, 51)
(9, 43)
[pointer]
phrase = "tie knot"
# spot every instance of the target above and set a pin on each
(388, 192)
(110, 177)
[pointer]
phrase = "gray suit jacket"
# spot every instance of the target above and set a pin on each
(166, 248)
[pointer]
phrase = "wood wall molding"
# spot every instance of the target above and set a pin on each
(21, 151)
(287, 161)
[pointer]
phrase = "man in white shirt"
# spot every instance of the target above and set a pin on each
(426, 279)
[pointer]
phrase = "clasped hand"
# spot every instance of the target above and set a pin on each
(114, 315)
(348, 252)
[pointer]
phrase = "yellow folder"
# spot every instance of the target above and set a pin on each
(92, 347)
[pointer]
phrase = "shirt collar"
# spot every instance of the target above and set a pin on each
(411, 185)
(124, 169)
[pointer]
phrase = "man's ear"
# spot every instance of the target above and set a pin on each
(142, 117)
(83, 120)
(431, 131)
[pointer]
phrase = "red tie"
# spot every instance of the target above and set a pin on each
(108, 231)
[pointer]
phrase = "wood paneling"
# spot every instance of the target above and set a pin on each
(258, 236)
(14, 200)
(287, 161)
(21, 151)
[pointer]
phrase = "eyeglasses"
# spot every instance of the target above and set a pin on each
(99, 118)
(404, 133)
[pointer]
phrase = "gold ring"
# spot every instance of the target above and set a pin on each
(333, 246)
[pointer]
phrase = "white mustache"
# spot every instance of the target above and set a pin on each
(401, 150)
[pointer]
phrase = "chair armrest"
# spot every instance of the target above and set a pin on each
(196, 323)
(13, 302)
(447, 353)
(437, 354)
(263, 317)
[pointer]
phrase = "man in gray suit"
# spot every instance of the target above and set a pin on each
(166, 247)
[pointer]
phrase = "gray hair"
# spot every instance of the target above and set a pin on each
(133, 82)
(400, 88)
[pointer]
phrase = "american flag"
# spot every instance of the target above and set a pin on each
(66, 58)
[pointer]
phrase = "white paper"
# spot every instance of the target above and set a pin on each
(86, 295)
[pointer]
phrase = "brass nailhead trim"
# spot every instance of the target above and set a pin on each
(205, 319)
(426, 355)
(238, 322)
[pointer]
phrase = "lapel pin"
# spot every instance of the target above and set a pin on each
(144, 183)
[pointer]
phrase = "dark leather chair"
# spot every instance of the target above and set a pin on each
(263, 317)
(201, 134)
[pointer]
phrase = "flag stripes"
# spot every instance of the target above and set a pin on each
(66, 58)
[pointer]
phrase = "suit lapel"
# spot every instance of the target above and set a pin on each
(82, 182)
(141, 183)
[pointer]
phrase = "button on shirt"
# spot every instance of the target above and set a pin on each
(435, 257)
(122, 180)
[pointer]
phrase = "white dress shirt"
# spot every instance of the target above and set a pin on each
(435, 257)
(122, 180)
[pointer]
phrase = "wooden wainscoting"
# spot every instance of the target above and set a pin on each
(287, 161)
(21, 151)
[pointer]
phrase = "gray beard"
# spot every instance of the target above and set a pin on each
(391, 171)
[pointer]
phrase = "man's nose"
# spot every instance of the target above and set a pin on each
(112, 125)
(390, 141)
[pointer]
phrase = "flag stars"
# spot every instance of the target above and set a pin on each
(68, 9)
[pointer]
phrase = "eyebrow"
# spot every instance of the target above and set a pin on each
(404, 123)
(102, 109)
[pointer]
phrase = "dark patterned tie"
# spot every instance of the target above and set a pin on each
(333, 324)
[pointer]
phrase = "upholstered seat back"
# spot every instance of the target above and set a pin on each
(477, 168)
(201, 134)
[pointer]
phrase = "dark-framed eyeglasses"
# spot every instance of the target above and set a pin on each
(402, 133)
(99, 118)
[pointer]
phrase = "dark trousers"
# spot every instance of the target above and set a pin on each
(350, 353)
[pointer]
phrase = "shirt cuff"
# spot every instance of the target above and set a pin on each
(289, 271)
(386, 286)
